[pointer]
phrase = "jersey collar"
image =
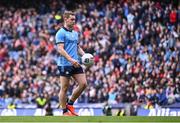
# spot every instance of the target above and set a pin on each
(67, 29)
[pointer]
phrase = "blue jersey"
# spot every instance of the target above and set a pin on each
(70, 40)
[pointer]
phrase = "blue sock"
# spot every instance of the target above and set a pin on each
(70, 102)
(65, 110)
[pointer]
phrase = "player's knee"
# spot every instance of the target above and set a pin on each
(64, 89)
(83, 85)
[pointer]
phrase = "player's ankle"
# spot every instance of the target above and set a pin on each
(65, 110)
(70, 102)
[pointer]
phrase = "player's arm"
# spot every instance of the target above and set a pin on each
(80, 51)
(60, 48)
(62, 51)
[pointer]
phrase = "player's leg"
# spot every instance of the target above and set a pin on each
(63, 91)
(65, 73)
(82, 83)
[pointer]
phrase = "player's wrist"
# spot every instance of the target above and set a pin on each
(72, 60)
(69, 59)
(83, 53)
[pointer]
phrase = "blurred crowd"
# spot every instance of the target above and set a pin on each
(135, 45)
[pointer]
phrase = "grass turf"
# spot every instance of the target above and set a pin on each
(97, 119)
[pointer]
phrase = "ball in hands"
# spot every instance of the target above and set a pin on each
(87, 59)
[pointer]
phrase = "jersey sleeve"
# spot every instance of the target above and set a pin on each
(60, 37)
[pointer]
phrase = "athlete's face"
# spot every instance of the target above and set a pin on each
(70, 21)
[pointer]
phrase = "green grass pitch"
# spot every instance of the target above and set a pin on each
(87, 119)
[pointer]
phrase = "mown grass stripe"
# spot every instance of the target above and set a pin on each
(88, 119)
(87, 122)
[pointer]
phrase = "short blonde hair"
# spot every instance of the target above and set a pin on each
(67, 14)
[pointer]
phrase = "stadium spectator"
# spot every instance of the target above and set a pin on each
(41, 101)
(49, 110)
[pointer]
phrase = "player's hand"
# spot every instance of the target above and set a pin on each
(75, 63)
